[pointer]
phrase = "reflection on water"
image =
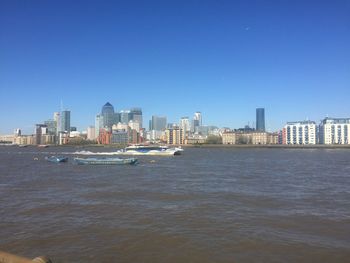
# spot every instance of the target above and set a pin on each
(208, 205)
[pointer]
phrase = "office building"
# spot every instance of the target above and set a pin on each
(136, 115)
(260, 119)
(158, 123)
(300, 132)
(196, 122)
(109, 117)
(185, 124)
(334, 131)
(65, 121)
(98, 124)
(125, 116)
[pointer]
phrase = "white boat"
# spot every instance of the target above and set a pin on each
(139, 149)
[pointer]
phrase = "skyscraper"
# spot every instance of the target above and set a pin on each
(65, 121)
(197, 121)
(136, 115)
(125, 116)
(158, 123)
(185, 124)
(98, 124)
(109, 117)
(260, 119)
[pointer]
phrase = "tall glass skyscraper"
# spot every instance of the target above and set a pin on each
(65, 121)
(109, 118)
(158, 123)
(260, 119)
(136, 115)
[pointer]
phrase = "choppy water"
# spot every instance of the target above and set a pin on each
(208, 205)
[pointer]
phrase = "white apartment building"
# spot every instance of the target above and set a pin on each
(335, 131)
(301, 132)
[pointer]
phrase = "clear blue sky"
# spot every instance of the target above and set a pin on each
(223, 58)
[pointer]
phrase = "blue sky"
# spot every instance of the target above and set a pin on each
(223, 58)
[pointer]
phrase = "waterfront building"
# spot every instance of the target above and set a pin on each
(335, 131)
(300, 133)
(229, 138)
(24, 140)
(91, 135)
(195, 139)
(260, 119)
(7, 138)
(40, 130)
(158, 123)
(174, 135)
(65, 121)
(104, 136)
(254, 138)
(120, 137)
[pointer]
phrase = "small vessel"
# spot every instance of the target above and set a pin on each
(105, 161)
(43, 146)
(57, 159)
(140, 149)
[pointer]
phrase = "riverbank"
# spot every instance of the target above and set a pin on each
(243, 146)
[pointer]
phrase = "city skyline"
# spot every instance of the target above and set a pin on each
(224, 59)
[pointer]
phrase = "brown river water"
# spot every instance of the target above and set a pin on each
(207, 205)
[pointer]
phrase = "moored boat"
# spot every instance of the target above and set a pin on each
(57, 159)
(105, 161)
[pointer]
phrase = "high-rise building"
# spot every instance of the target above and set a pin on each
(56, 118)
(109, 117)
(125, 116)
(260, 119)
(301, 132)
(174, 135)
(51, 127)
(65, 121)
(197, 121)
(158, 123)
(98, 124)
(185, 124)
(136, 115)
(335, 131)
(40, 130)
(18, 132)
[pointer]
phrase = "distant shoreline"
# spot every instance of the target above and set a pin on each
(268, 146)
(233, 146)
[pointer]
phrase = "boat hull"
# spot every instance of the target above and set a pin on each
(105, 161)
